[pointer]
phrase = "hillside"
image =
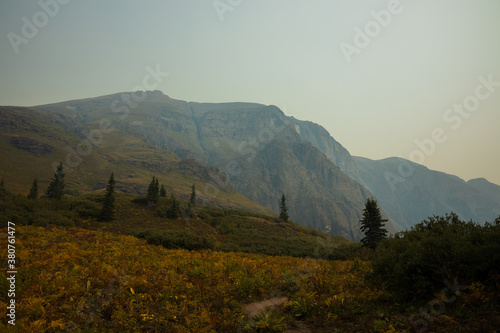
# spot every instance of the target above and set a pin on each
(260, 152)
(33, 142)
(424, 192)
(73, 280)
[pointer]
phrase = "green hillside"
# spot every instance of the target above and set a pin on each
(33, 142)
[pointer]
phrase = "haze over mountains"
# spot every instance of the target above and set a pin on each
(254, 149)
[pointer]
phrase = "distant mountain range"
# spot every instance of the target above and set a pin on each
(225, 149)
(410, 192)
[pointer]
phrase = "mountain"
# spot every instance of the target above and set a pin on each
(251, 148)
(484, 186)
(410, 192)
(34, 141)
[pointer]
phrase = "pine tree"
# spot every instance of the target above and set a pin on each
(283, 209)
(173, 211)
(33, 190)
(372, 224)
(163, 192)
(108, 204)
(153, 191)
(56, 187)
(156, 188)
(192, 199)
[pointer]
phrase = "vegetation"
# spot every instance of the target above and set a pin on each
(153, 191)
(56, 187)
(163, 191)
(33, 190)
(372, 224)
(189, 273)
(192, 199)
(283, 209)
(436, 252)
(108, 204)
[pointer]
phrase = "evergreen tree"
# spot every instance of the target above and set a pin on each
(372, 224)
(283, 209)
(2, 183)
(56, 187)
(173, 211)
(108, 204)
(163, 192)
(192, 199)
(156, 188)
(33, 190)
(153, 191)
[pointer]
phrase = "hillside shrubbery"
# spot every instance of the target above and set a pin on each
(175, 239)
(432, 255)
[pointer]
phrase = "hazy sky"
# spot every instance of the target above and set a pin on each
(378, 75)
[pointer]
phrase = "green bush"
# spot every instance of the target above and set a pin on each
(415, 264)
(87, 208)
(175, 239)
(44, 218)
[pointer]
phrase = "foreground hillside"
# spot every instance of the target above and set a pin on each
(76, 280)
(189, 228)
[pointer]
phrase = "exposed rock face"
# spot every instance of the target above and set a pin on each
(262, 152)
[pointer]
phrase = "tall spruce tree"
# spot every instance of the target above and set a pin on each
(192, 199)
(283, 209)
(33, 190)
(163, 191)
(372, 224)
(153, 191)
(108, 204)
(173, 210)
(56, 187)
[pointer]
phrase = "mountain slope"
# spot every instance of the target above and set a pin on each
(484, 186)
(410, 192)
(33, 141)
(262, 152)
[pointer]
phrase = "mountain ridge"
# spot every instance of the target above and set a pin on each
(241, 139)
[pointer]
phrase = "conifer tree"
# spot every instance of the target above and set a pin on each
(56, 187)
(192, 199)
(163, 192)
(108, 204)
(173, 211)
(283, 209)
(372, 224)
(153, 191)
(33, 190)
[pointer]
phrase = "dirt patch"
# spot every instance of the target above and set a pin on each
(253, 309)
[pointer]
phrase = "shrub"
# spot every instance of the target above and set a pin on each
(415, 263)
(86, 208)
(175, 239)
